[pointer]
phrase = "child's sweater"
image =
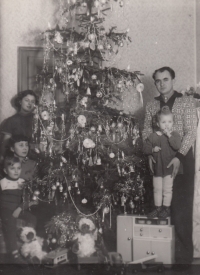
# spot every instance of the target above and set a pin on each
(169, 147)
(11, 193)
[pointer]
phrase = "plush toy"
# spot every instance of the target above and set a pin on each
(85, 238)
(32, 245)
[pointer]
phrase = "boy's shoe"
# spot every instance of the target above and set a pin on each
(155, 212)
(164, 213)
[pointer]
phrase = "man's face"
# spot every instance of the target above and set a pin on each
(164, 83)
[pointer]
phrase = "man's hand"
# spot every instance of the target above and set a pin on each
(151, 161)
(156, 149)
(17, 212)
(176, 164)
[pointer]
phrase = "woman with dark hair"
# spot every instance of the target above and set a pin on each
(21, 122)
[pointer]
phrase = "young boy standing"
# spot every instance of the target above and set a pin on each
(11, 205)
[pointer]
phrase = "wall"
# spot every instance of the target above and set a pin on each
(21, 24)
(162, 32)
(198, 39)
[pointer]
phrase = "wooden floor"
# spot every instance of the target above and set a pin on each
(88, 270)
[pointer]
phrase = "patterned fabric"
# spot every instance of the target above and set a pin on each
(185, 123)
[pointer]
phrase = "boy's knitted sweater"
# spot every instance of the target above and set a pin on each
(11, 192)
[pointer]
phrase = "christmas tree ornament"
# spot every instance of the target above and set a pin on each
(88, 143)
(45, 115)
(140, 89)
(93, 129)
(100, 128)
(63, 159)
(36, 193)
(57, 183)
(60, 188)
(91, 37)
(94, 77)
(123, 200)
(106, 210)
(96, 4)
(111, 155)
(98, 162)
(34, 198)
(119, 170)
(84, 201)
(81, 120)
(88, 91)
(58, 38)
(76, 184)
(53, 240)
(131, 204)
(99, 94)
(100, 47)
(53, 187)
(69, 62)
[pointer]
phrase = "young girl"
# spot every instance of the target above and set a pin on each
(163, 145)
(11, 205)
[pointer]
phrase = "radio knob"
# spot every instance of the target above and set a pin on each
(128, 238)
(141, 229)
(148, 252)
(152, 253)
(141, 234)
(160, 230)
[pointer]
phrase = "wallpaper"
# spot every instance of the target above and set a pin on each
(162, 32)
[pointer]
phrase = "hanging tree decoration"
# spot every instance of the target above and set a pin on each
(95, 158)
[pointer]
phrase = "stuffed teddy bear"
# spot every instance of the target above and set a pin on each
(32, 245)
(85, 238)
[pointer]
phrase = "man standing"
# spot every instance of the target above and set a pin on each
(185, 123)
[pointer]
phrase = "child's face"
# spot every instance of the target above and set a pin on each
(166, 122)
(13, 170)
(20, 149)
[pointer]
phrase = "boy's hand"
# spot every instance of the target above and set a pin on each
(156, 149)
(167, 132)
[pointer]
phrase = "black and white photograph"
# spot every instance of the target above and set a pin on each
(99, 137)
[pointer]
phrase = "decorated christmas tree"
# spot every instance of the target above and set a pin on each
(90, 161)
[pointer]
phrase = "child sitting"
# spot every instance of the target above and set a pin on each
(19, 145)
(11, 205)
(162, 145)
